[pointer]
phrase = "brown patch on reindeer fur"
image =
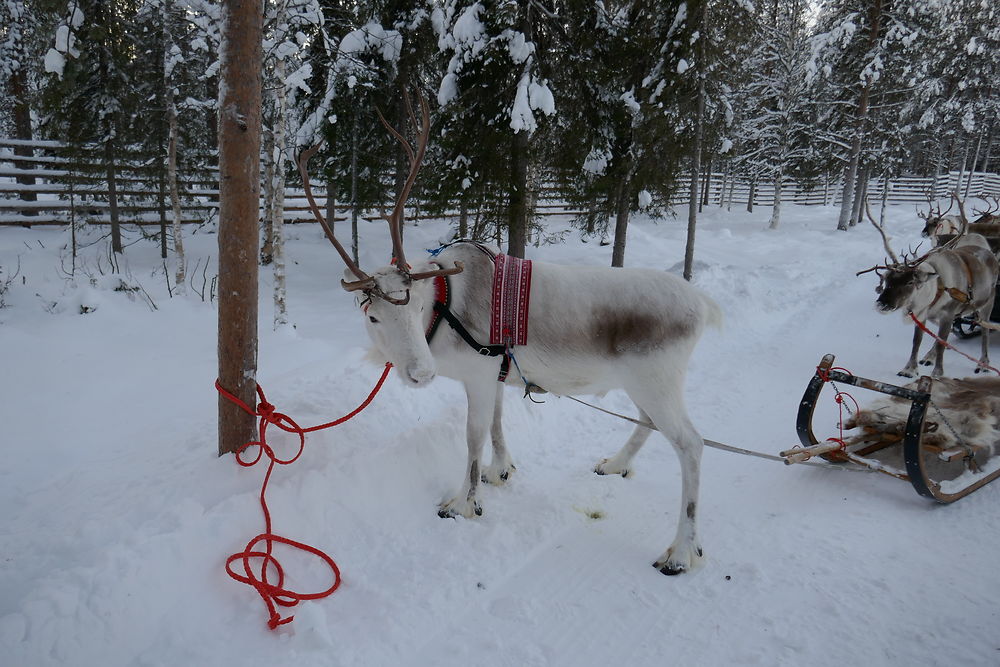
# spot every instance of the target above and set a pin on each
(619, 332)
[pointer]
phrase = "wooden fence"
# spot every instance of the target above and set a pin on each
(46, 188)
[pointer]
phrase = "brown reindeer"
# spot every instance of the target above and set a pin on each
(956, 278)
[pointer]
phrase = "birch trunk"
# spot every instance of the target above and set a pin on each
(180, 276)
(699, 132)
(776, 211)
(278, 189)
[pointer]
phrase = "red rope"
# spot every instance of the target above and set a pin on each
(274, 593)
(824, 375)
(923, 327)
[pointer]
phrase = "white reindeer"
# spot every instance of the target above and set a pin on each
(591, 330)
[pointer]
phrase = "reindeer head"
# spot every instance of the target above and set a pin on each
(934, 219)
(900, 286)
(392, 305)
(905, 283)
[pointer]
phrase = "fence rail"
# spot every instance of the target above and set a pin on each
(48, 188)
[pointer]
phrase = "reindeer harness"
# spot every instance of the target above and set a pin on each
(508, 313)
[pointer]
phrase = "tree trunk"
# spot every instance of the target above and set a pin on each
(109, 165)
(331, 202)
(266, 250)
(776, 211)
(989, 146)
(22, 130)
(860, 116)
(277, 214)
(161, 208)
(180, 275)
(860, 192)
(851, 168)
(975, 159)
(463, 217)
(725, 184)
(239, 199)
(706, 182)
(517, 213)
(354, 190)
(962, 165)
(622, 201)
(699, 132)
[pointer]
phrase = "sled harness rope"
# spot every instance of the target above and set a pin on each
(840, 397)
(274, 593)
(723, 446)
(923, 327)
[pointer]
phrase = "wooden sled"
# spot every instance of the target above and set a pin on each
(924, 445)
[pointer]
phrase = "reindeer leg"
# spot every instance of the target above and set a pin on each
(666, 411)
(620, 463)
(943, 330)
(910, 369)
(481, 402)
(500, 467)
(984, 357)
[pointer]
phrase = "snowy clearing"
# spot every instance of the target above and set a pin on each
(119, 516)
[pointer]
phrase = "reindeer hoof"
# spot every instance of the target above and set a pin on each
(454, 509)
(606, 467)
(670, 570)
(926, 362)
(906, 373)
(498, 476)
(679, 560)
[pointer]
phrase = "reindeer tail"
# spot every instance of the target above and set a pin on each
(713, 313)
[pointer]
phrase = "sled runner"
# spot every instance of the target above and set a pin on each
(938, 434)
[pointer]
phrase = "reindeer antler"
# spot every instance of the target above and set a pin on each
(990, 209)
(364, 280)
(881, 231)
(415, 155)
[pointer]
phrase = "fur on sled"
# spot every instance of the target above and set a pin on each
(967, 407)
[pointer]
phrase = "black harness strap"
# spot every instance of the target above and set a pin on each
(442, 310)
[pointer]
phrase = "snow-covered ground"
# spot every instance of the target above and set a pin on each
(117, 516)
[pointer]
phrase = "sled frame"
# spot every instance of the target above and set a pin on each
(915, 455)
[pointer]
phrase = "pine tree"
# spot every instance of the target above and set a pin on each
(495, 96)
(621, 131)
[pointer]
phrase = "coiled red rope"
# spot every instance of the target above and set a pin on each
(274, 593)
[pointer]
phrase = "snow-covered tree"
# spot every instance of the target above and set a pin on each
(621, 129)
(864, 54)
(771, 135)
(495, 97)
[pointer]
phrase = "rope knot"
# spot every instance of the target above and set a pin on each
(266, 412)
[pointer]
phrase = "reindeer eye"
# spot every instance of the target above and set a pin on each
(372, 319)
